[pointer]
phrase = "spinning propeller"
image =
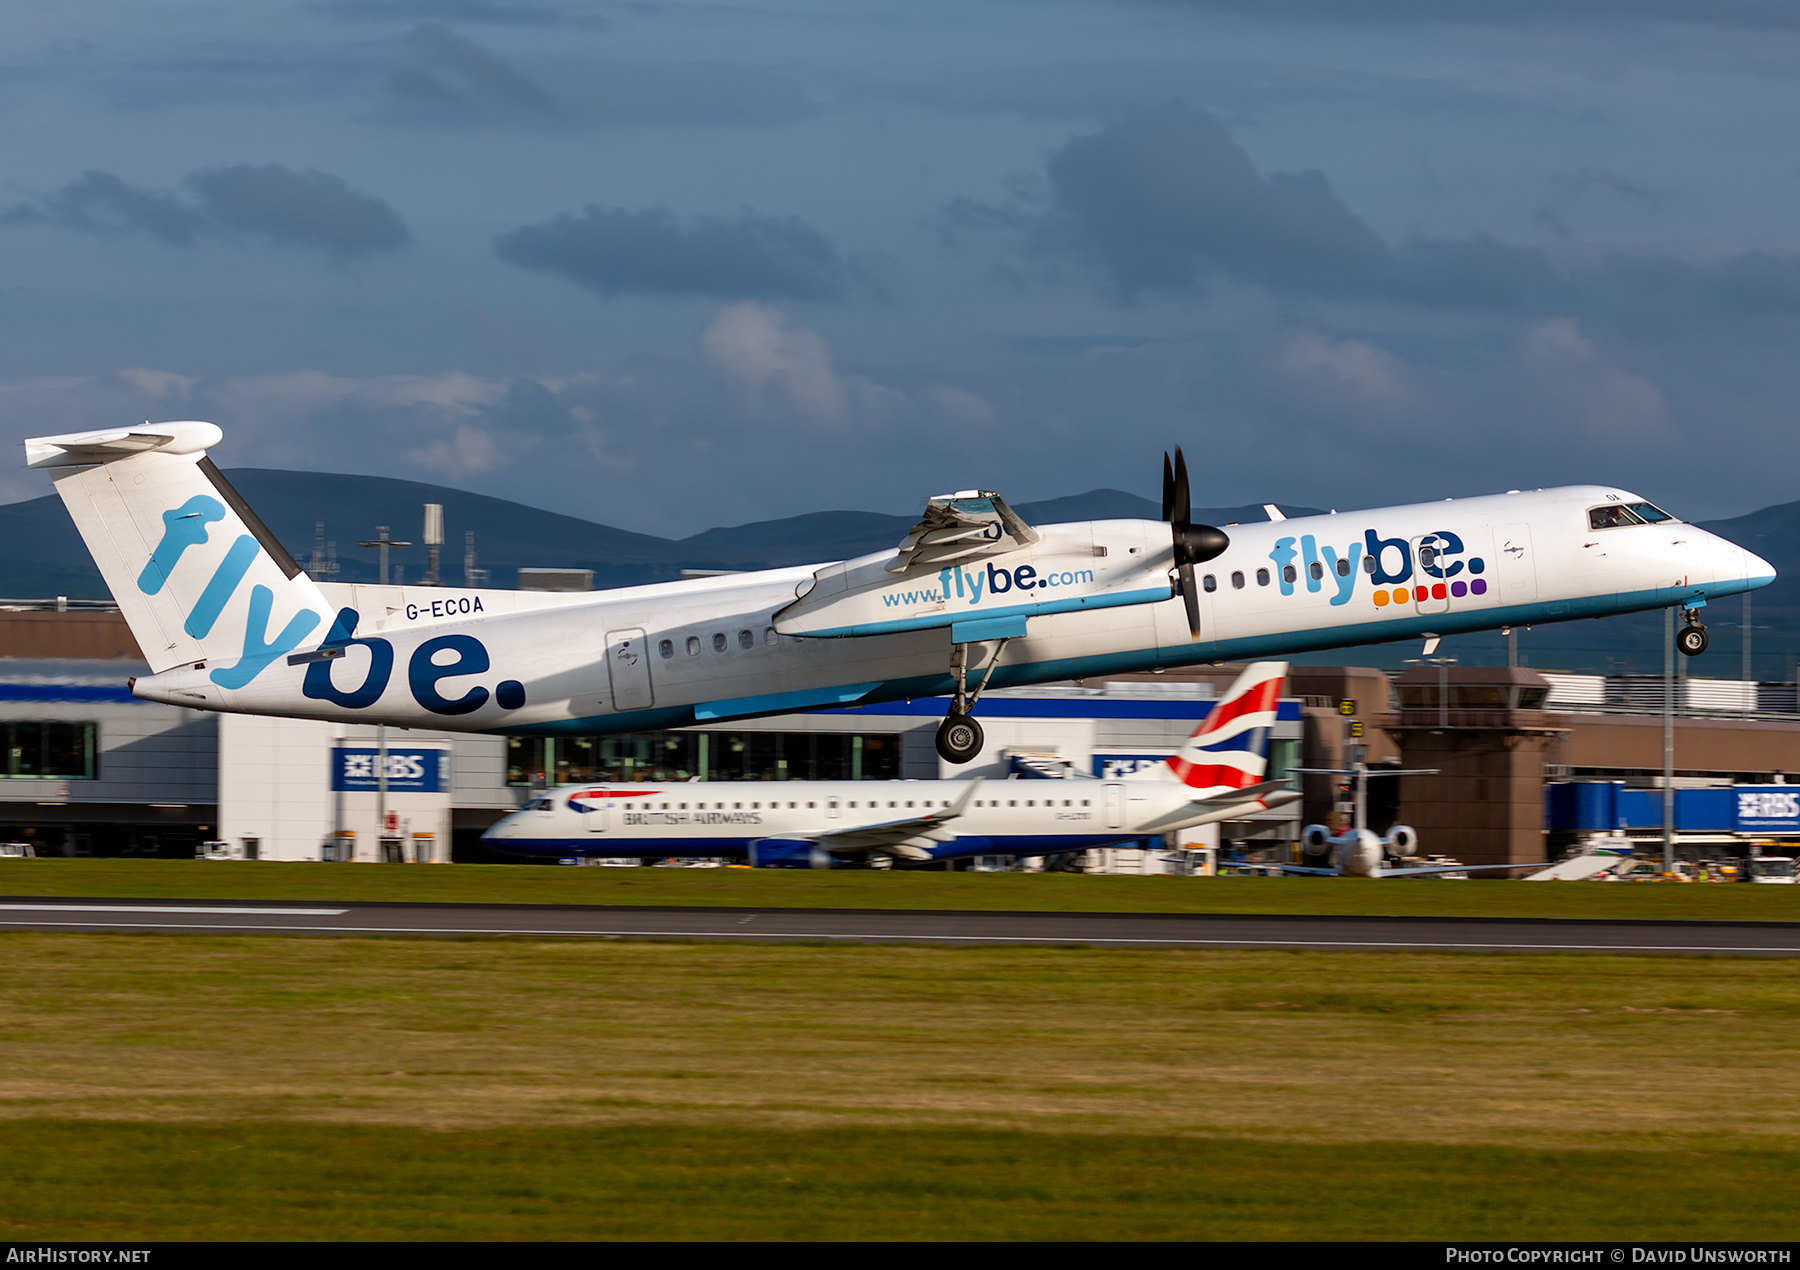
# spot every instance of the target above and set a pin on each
(1194, 544)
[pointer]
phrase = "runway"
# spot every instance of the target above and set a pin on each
(1104, 930)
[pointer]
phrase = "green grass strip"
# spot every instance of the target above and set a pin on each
(124, 1181)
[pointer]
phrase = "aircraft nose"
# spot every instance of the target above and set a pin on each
(1757, 571)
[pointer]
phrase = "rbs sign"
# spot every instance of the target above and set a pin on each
(1768, 807)
(409, 771)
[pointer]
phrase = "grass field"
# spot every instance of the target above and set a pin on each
(272, 1087)
(922, 889)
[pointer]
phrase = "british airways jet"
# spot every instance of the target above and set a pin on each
(228, 620)
(1216, 775)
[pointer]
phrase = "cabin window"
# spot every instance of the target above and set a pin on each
(1369, 564)
(1084, 802)
(1289, 573)
(1317, 571)
(770, 637)
(1262, 577)
(1343, 567)
(693, 645)
(1612, 516)
(1427, 557)
(719, 642)
(746, 639)
(1012, 802)
(666, 648)
(1237, 580)
(1210, 583)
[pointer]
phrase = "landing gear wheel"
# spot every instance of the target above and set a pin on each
(1691, 639)
(958, 738)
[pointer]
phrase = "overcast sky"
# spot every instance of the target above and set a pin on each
(672, 266)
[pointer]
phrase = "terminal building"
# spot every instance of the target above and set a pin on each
(1524, 764)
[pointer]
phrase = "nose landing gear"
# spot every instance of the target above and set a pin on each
(959, 737)
(1691, 638)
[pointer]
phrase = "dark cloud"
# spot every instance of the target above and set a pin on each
(1167, 202)
(1237, 89)
(451, 81)
(101, 203)
(306, 209)
(1748, 13)
(614, 251)
(310, 208)
(482, 12)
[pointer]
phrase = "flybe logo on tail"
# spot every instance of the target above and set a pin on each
(188, 526)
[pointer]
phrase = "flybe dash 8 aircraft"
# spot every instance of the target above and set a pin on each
(229, 621)
(1216, 775)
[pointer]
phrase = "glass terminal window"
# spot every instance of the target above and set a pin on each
(50, 750)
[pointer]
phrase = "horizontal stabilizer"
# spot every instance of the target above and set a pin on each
(80, 449)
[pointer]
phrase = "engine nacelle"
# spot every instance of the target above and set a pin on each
(1357, 852)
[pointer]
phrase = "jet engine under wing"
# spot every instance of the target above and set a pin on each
(896, 835)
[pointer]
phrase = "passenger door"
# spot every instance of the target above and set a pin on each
(628, 669)
(1115, 805)
(1515, 565)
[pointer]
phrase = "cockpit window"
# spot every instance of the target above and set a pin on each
(1651, 513)
(1612, 516)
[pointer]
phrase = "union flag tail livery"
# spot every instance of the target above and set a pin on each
(1230, 750)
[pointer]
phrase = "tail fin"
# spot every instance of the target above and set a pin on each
(1230, 749)
(199, 578)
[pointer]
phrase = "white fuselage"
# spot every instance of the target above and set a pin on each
(693, 652)
(728, 818)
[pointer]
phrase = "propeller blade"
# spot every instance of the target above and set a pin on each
(1178, 513)
(1190, 594)
(1168, 489)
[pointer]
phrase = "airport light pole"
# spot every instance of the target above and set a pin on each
(382, 543)
(1668, 798)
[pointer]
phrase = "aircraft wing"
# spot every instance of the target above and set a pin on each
(1428, 870)
(960, 527)
(896, 834)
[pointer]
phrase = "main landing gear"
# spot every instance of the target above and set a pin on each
(1691, 638)
(959, 737)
